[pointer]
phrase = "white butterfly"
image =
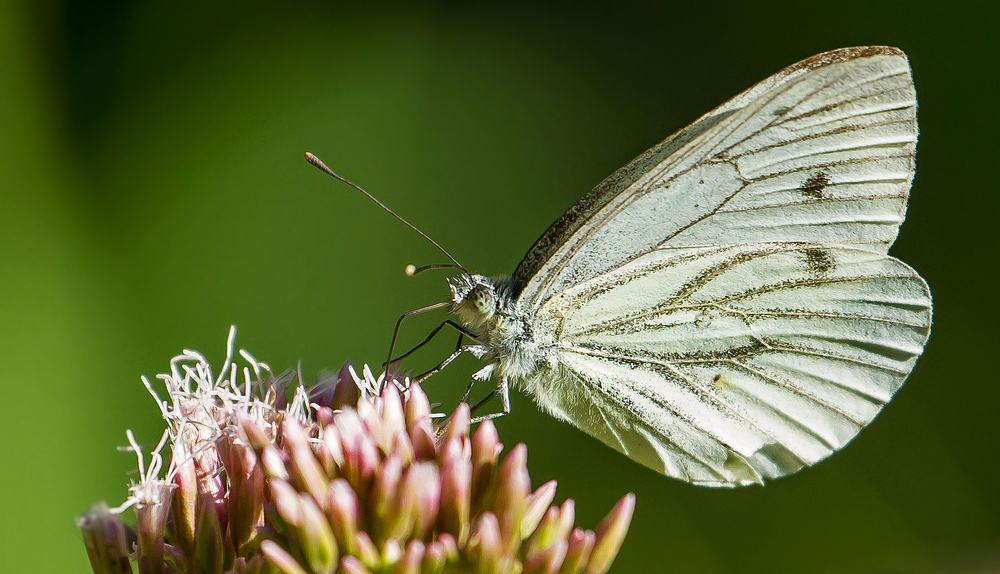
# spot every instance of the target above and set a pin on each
(722, 309)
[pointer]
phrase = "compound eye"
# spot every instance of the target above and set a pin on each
(481, 297)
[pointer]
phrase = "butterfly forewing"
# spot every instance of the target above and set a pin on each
(722, 309)
(821, 152)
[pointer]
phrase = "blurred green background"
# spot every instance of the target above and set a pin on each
(153, 192)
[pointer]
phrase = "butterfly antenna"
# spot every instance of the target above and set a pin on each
(323, 167)
(411, 270)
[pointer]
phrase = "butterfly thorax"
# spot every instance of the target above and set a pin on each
(487, 306)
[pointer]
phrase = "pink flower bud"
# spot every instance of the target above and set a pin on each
(485, 544)
(514, 484)
(333, 450)
(393, 420)
(209, 540)
(548, 560)
(342, 510)
(610, 535)
(317, 542)
(458, 425)
(410, 562)
(418, 409)
(535, 507)
(365, 549)
(581, 543)
(453, 517)
(274, 462)
(286, 501)
(351, 565)
(305, 468)
(280, 558)
(106, 539)
(423, 481)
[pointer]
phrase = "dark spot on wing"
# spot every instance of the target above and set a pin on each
(780, 111)
(818, 260)
(814, 186)
(722, 382)
(703, 320)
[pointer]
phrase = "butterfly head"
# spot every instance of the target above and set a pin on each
(474, 299)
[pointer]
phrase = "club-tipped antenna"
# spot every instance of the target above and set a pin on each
(411, 270)
(323, 167)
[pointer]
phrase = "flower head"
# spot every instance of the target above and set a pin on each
(354, 475)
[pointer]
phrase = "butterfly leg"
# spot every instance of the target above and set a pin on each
(481, 375)
(462, 331)
(504, 391)
(395, 332)
(477, 350)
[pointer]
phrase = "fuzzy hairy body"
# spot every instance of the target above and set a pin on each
(488, 308)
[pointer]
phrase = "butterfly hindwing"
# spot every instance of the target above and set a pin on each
(734, 364)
